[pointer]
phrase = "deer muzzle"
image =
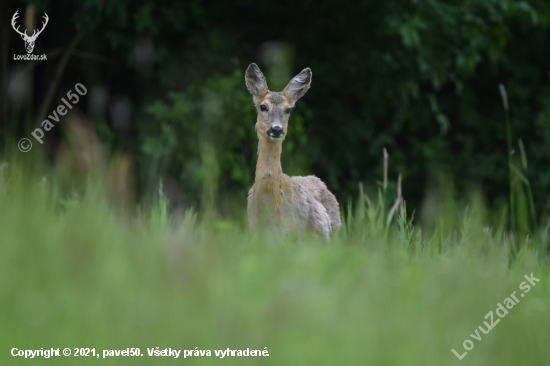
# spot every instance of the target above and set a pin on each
(275, 132)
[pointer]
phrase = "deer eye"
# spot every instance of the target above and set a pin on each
(263, 108)
(287, 111)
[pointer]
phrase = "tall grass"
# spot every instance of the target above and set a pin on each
(385, 291)
(523, 217)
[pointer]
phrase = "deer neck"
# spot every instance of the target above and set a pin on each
(269, 174)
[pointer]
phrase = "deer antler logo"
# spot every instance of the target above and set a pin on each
(29, 40)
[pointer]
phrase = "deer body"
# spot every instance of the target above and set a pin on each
(286, 203)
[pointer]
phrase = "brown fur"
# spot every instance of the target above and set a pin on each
(285, 203)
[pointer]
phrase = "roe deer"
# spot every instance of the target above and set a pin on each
(289, 202)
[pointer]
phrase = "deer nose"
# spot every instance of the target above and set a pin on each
(275, 131)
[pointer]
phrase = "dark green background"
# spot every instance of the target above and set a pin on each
(417, 77)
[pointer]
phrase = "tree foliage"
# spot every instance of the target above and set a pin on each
(419, 77)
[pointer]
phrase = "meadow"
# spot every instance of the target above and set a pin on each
(125, 227)
(75, 272)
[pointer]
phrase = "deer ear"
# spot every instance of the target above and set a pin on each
(299, 85)
(255, 81)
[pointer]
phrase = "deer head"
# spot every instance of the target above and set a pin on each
(29, 40)
(274, 108)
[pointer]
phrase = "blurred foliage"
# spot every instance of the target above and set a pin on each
(75, 273)
(197, 120)
(418, 77)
